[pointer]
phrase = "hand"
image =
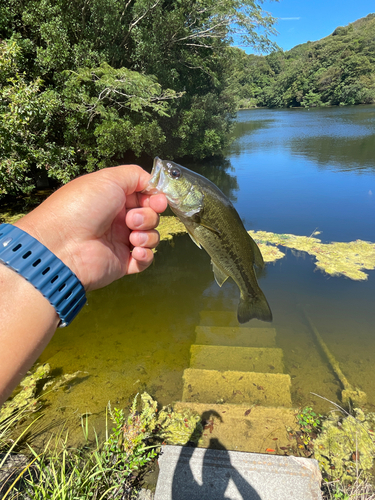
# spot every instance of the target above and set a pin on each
(100, 225)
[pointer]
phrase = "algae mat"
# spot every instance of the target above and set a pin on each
(349, 259)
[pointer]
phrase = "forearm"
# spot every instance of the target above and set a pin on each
(102, 228)
(28, 321)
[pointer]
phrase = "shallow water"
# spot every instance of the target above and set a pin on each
(288, 171)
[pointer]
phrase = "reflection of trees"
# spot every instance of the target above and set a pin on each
(216, 170)
(241, 128)
(343, 153)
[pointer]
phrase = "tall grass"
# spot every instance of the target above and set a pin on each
(95, 471)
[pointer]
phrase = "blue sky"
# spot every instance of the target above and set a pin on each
(309, 20)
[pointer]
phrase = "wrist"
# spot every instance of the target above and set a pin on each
(36, 263)
(51, 235)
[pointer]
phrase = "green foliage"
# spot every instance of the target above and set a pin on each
(308, 420)
(103, 471)
(84, 82)
(337, 70)
(28, 115)
(345, 448)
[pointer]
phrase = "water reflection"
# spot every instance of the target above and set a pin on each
(217, 169)
(346, 153)
(340, 138)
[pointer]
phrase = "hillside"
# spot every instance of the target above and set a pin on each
(336, 70)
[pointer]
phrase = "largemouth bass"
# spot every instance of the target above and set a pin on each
(214, 224)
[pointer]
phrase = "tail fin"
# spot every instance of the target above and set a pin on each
(251, 307)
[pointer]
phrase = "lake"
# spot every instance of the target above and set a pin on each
(288, 171)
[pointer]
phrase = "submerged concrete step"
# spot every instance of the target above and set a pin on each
(237, 387)
(225, 318)
(234, 335)
(220, 318)
(246, 359)
(195, 474)
(245, 428)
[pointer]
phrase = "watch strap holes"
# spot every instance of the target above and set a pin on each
(44, 270)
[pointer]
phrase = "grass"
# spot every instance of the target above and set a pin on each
(97, 471)
(114, 468)
(360, 490)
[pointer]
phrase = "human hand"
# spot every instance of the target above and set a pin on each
(100, 225)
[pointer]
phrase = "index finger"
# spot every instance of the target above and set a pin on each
(157, 202)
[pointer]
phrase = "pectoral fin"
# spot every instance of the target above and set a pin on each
(202, 222)
(192, 237)
(220, 276)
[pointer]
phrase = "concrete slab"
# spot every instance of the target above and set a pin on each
(234, 335)
(246, 359)
(246, 428)
(199, 474)
(236, 387)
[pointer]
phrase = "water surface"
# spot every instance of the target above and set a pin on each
(288, 171)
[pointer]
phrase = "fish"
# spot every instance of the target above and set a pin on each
(214, 225)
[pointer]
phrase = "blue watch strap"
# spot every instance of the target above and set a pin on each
(32, 260)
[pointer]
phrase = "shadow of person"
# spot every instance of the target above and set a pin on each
(208, 474)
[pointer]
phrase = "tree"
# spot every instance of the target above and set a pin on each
(90, 79)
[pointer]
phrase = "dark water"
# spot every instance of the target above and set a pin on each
(288, 171)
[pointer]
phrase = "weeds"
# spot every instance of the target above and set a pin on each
(360, 490)
(103, 471)
(308, 420)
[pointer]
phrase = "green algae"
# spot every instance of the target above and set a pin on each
(173, 426)
(345, 448)
(349, 259)
(25, 398)
(336, 259)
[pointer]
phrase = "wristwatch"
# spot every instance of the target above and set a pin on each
(32, 260)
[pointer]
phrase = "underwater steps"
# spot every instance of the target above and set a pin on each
(236, 381)
(242, 410)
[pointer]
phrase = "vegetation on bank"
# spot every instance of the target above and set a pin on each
(343, 444)
(110, 469)
(82, 83)
(336, 70)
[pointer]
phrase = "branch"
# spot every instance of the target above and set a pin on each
(133, 24)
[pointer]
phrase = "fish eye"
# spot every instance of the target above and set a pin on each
(175, 173)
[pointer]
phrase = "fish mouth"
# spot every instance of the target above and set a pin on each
(155, 184)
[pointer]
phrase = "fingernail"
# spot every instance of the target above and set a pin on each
(138, 220)
(142, 238)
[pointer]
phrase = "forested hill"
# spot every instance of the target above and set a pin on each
(336, 70)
